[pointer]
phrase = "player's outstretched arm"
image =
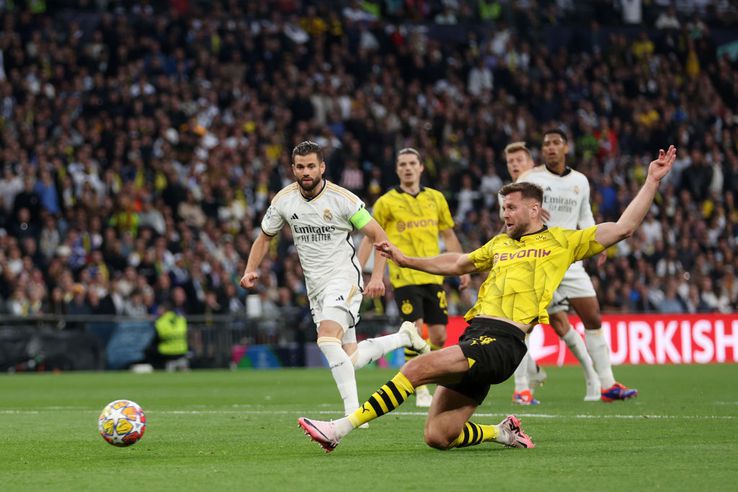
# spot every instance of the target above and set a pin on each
(610, 233)
(256, 255)
(443, 264)
(454, 246)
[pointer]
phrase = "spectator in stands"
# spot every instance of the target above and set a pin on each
(136, 115)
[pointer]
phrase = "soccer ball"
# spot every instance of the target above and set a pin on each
(122, 423)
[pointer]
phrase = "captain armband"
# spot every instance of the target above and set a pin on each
(361, 218)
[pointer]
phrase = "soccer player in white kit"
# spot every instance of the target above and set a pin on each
(528, 375)
(566, 198)
(322, 216)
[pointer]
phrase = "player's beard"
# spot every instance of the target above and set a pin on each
(309, 188)
(517, 231)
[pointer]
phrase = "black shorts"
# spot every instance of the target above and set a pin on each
(427, 301)
(497, 349)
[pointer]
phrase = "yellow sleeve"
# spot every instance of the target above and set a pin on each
(483, 258)
(445, 221)
(582, 243)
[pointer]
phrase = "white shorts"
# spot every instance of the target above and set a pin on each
(339, 302)
(576, 284)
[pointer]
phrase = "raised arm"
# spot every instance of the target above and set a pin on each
(443, 264)
(256, 255)
(610, 233)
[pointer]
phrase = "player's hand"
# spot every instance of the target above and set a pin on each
(375, 288)
(249, 279)
(545, 215)
(601, 259)
(661, 166)
(390, 251)
(464, 281)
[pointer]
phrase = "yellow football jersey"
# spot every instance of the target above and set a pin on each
(412, 223)
(524, 274)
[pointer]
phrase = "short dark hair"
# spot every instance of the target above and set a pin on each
(306, 148)
(557, 131)
(528, 190)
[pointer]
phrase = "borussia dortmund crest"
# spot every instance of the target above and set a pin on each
(407, 307)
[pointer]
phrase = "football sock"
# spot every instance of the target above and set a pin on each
(576, 344)
(342, 370)
(390, 396)
(374, 348)
(521, 374)
(410, 354)
(474, 434)
(600, 354)
(532, 366)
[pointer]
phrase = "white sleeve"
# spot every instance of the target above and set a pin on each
(272, 222)
(586, 219)
(350, 207)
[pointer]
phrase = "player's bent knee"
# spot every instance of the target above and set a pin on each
(437, 440)
(438, 341)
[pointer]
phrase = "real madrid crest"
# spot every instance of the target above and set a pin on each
(327, 215)
(576, 189)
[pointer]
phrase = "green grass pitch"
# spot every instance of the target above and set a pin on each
(219, 430)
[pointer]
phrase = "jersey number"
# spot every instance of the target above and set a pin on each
(442, 303)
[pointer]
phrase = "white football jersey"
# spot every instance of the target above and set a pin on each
(321, 230)
(565, 197)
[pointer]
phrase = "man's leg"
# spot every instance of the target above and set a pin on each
(588, 310)
(374, 348)
(436, 336)
(444, 366)
(448, 425)
(330, 334)
(436, 340)
(560, 323)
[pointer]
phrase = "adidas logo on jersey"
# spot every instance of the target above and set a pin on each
(294, 217)
(340, 298)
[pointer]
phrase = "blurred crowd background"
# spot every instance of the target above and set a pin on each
(141, 141)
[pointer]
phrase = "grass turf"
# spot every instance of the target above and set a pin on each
(218, 430)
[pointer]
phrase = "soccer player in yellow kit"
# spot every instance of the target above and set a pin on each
(525, 264)
(414, 217)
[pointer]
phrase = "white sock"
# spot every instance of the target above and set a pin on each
(575, 343)
(342, 426)
(600, 354)
(342, 370)
(532, 366)
(374, 348)
(521, 374)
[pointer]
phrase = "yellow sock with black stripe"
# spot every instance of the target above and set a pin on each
(474, 434)
(410, 354)
(433, 346)
(390, 396)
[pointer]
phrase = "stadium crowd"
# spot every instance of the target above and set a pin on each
(142, 141)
